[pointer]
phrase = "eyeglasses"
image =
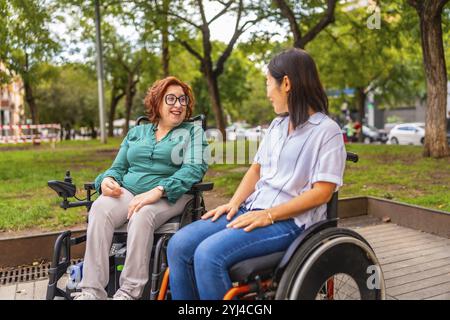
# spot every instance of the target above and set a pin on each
(171, 100)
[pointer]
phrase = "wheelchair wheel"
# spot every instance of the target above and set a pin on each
(334, 264)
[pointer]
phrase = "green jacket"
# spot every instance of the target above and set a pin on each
(176, 162)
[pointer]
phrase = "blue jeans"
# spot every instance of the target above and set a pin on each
(201, 253)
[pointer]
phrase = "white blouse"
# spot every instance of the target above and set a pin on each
(290, 165)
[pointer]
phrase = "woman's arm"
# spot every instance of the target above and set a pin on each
(245, 189)
(247, 185)
(320, 194)
(193, 168)
(118, 168)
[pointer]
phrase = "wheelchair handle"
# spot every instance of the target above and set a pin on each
(353, 157)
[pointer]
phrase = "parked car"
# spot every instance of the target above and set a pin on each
(236, 131)
(370, 134)
(213, 134)
(408, 133)
(254, 134)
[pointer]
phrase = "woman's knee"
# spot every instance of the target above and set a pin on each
(144, 218)
(207, 254)
(101, 210)
(180, 244)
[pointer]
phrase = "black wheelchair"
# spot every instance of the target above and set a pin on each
(325, 262)
(61, 260)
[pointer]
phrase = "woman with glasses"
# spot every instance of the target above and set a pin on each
(156, 165)
(299, 164)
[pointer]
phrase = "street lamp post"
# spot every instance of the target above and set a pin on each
(101, 93)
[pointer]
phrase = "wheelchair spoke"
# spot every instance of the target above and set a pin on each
(344, 288)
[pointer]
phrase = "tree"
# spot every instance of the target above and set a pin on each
(305, 17)
(124, 56)
(117, 92)
(165, 56)
(430, 16)
(131, 63)
(196, 23)
(382, 62)
(27, 43)
(69, 97)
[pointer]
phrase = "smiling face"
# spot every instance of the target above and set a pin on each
(277, 94)
(173, 115)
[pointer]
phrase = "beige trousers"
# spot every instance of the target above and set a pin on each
(108, 214)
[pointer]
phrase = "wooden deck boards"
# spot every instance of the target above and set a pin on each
(416, 265)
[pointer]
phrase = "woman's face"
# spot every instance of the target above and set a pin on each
(173, 106)
(277, 94)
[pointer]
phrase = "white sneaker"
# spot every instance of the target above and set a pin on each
(83, 295)
(120, 295)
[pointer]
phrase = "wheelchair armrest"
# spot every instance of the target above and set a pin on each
(89, 186)
(353, 157)
(202, 186)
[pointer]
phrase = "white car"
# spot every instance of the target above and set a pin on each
(255, 134)
(236, 131)
(407, 133)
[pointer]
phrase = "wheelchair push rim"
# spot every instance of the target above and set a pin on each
(337, 264)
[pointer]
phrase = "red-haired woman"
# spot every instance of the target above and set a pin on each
(156, 165)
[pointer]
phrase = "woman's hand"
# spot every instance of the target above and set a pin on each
(111, 188)
(229, 208)
(251, 220)
(143, 199)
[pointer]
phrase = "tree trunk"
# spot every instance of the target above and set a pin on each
(213, 90)
(361, 103)
(29, 96)
(67, 128)
(435, 145)
(130, 93)
(165, 40)
(93, 131)
(31, 101)
(115, 99)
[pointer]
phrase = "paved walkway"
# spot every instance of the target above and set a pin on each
(416, 264)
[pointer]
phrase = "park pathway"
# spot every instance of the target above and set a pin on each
(416, 265)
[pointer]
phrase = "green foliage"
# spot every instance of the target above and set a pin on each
(69, 97)
(25, 199)
(242, 85)
(26, 39)
(386, 61)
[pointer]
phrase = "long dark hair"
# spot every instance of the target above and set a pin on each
(306, 88)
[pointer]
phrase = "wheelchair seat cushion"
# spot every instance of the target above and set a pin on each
(171, 226)
(262, 266)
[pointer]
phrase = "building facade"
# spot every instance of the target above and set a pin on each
(12, 110)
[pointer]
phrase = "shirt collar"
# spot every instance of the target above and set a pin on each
(316, 118)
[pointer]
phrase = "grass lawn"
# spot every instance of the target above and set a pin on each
(25, 199)
(394, 172)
